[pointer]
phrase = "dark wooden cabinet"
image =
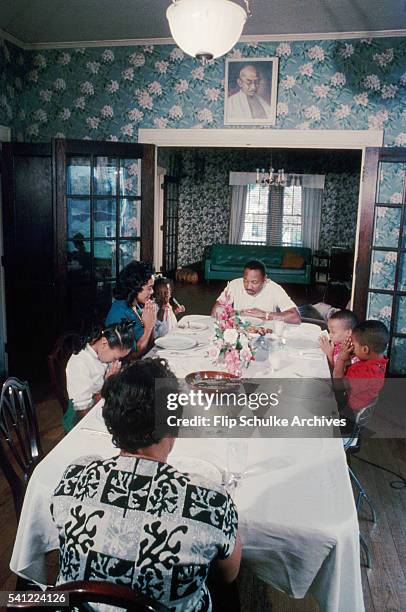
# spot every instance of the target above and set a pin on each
(321, 262)
(74, 213)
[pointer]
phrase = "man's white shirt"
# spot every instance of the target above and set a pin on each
(238, 108)
(271, 298)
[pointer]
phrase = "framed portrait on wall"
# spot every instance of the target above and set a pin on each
(251, 89)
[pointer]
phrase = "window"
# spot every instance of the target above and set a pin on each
(256, 215)
(273, 217)
(292, 216)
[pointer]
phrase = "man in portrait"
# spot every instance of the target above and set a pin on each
(247, 105)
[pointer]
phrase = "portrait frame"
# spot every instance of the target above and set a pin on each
(239, 111)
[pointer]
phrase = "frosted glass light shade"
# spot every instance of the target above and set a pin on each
(206, 29)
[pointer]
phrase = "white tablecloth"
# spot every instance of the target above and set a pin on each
(297, 516)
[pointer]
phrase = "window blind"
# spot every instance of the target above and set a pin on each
(273, 216)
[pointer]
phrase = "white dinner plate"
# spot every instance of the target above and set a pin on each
(303, 344)
(195, 325)
(194, 465)
(197, 318)
(310, 328)
(176, 341)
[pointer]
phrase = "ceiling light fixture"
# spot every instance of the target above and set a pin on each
(273, 178)
(206, 29)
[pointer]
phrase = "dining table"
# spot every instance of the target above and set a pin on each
(297, 517)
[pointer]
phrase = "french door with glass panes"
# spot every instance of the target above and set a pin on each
(105, 194)
(170, 225)
(380, 281)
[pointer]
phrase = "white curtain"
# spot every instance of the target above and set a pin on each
(237, 213)
(311, 214)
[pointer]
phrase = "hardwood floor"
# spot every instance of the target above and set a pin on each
(384, 585)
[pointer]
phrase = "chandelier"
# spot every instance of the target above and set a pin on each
(206, 29)
(273, 178)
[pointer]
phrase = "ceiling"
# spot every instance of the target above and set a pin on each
(61, 21)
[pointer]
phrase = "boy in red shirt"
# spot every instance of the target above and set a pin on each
(363, 380)
(340, 326)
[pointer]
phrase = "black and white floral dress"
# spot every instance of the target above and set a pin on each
(144, 524)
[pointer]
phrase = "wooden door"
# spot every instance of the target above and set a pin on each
(105, 219)
(29, 246)
(170, 225)
(380, 287)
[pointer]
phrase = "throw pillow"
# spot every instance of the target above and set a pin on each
(292, 260)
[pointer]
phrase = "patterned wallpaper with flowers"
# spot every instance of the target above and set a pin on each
(11, 83)
(204, 200)
(107, 93)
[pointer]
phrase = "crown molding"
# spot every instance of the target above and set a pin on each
(261, 138)
(131, 42)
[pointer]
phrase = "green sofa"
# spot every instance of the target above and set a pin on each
(226, 261)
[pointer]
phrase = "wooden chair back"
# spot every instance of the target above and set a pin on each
(20, 445)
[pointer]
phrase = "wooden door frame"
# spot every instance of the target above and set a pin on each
(167, 180)
(66, 147)
(283, 139)
(372, 157)
(9, 152)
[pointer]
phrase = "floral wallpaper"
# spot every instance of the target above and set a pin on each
(339, 210)
(204, 207)
(11, 83)
(108, 93)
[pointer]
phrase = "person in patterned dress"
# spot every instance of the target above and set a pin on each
(134, 519)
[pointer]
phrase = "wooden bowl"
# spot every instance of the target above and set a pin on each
(208, 381)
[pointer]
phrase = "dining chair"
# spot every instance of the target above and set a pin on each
(20, 445)
(84, 592)
(352, 445)
(65, 345)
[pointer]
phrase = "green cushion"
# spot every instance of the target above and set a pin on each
(286, 272)
(238, 255)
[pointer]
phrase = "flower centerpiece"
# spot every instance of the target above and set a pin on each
(231, 344)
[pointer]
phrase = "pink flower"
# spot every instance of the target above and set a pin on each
(246, 354)
(214, 352)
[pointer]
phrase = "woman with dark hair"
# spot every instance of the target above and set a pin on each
(94, 359)
(143, 523)
(132, 295)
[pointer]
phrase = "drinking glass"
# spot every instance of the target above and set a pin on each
(237, 452)
(278, 325)
(274, 360)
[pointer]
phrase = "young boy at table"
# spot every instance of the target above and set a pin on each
(364, 379)
(340, 325)
(94, 360)
(165, 311)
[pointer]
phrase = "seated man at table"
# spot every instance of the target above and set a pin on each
(255, 295)
(134, 519)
